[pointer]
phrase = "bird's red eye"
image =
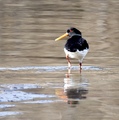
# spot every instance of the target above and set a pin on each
(71, 31)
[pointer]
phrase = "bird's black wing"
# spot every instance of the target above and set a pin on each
(82, 44)
(71, 45)
(76, 43)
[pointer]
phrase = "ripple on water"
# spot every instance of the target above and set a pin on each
(13, 92)
(48, 68)
(6, 106)
(5, 113)
(43, 101)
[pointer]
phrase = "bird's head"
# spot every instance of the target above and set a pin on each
(70, 32)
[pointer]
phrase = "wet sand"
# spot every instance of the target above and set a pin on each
(33, 85)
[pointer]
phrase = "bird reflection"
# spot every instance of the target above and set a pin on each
(74, 90)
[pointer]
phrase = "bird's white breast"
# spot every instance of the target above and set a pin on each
(78, 54)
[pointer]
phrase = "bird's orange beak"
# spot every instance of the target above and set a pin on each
(61, 37)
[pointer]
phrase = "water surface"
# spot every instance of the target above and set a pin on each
(33, 82)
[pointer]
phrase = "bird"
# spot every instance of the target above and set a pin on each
(76, 46)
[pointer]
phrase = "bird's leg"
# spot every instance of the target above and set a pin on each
(69, 64)
(80, 66)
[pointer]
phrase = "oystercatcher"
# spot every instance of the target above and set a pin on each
(75, 47)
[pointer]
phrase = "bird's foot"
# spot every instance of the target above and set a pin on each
(69, 70)
(80, 67)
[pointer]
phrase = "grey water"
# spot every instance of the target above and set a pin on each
(33, 69)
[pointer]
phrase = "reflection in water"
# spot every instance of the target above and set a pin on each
(75, 89)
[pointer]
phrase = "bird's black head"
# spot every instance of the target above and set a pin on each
(73, 31)
(70, 32)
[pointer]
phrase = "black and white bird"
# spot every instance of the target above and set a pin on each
(75, 47)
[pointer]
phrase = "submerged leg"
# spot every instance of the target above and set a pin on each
(69, 64)
(80, 66)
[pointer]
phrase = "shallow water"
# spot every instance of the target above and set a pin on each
(33, 80)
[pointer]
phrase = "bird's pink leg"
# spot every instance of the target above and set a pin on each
(69, 64)
(80, 67)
